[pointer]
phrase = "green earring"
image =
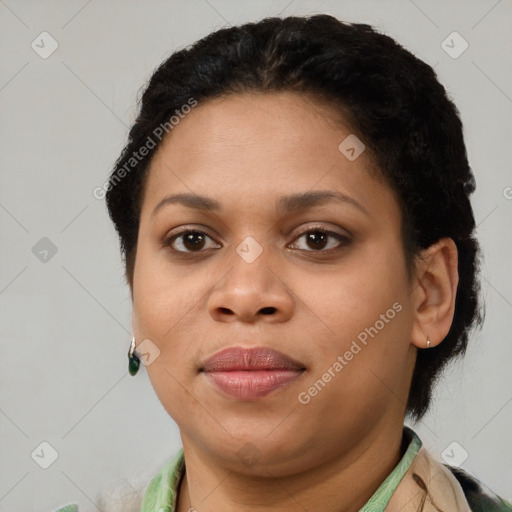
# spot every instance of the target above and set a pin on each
(134, 361)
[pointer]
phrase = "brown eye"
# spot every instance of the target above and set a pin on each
(317, 240)
(188, 241)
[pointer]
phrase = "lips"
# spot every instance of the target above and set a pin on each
(253, 358)
(250, 373)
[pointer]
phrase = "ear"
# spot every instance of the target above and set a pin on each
(436, 283)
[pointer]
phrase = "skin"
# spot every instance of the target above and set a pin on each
(330, 454)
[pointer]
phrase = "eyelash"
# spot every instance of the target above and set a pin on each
(344, 240)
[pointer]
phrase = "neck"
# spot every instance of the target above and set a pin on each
(341, 484)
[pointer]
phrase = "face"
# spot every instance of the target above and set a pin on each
(321, 280)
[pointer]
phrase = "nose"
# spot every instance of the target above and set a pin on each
(251, 292)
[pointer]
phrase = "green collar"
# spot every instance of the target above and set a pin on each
(161, 493)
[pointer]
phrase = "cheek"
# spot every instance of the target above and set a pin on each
(365, 290)
(366, 307)
(160, 298)
(164, 303)
(362, 371)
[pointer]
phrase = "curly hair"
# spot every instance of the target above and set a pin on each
(391, 99)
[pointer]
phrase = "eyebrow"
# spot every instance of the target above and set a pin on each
(289, 204)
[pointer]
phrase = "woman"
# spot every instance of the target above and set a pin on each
(293, 212)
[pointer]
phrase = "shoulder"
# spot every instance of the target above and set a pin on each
(429, 477)
(479, 498)
(121, 495)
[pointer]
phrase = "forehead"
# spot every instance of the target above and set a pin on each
(257, 147)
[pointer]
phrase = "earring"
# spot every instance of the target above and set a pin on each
(428, 342)
(134, 361)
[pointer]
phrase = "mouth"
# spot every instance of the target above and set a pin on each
(250, 373)
(250, 359)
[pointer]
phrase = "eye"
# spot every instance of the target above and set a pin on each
(318, 239)
(194, 240)
(190, 240)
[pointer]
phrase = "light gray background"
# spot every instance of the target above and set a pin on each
(65, 324)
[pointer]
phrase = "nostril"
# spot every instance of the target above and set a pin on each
(268, 311)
